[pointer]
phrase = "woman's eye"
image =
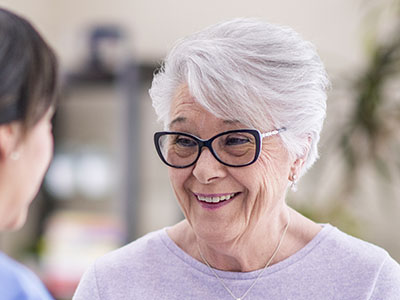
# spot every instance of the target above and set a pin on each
(185, 142)
(232, 141)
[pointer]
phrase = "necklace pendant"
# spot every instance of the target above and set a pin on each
(238, 299)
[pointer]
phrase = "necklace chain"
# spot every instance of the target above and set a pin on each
(259, 275)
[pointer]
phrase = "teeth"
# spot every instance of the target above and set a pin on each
(215, 199)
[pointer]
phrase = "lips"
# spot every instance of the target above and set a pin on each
(213, 201)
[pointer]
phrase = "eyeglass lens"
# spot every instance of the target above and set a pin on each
(235, 149)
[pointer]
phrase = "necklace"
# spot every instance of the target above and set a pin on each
(259, 275)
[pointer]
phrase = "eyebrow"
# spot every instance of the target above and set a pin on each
(177, 120)
(183, 119)
(231, 121)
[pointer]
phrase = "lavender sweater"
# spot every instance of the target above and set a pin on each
(333, 265)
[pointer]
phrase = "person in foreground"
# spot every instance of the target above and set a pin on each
(28, 70)
(243, 104)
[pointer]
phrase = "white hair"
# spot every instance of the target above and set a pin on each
(262, 75)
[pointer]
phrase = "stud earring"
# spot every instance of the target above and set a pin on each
(15, 155)
(293, 186)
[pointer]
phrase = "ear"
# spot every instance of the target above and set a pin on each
(296, 167)
(299, 162)
(10, 135)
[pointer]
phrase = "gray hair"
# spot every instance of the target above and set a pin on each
(262, 75)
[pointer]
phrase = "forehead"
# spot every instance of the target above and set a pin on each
(183, 100)
(185, 110)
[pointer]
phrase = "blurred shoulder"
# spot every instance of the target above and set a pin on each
(18, 282)
(10, 271)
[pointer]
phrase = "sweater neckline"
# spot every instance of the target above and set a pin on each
(194, 263)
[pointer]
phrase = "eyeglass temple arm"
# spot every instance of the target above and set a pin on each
(273, 132)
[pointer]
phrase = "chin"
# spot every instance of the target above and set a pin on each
(215, 233)
(17, 222)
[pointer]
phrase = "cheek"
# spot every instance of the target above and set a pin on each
(179, 178)
(275, 168)
(17, 220)
(49, 147)
(45, 147)
(268, 178)
(40, 149)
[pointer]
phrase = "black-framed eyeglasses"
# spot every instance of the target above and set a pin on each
(233, 148)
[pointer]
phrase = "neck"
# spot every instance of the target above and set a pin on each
(247, 252)
(250, 251)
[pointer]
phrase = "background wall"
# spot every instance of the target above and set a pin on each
(333, 25)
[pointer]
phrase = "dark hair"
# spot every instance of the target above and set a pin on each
(28, 72)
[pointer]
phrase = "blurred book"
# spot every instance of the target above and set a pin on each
(72, 241)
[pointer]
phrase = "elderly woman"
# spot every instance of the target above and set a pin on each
(243, 104)
(28, 70)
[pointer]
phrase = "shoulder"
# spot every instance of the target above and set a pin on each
(18, 282)
(387, 283)
(348, 267)
(355, 258)
(344, 247)
(10, 271)
(120, 272)
(138, 251)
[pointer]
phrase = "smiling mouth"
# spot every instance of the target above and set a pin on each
(215, 199)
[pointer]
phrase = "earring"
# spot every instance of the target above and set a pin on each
(293, 186)
(15, 155)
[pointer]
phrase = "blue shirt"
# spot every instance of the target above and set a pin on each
(19, 283)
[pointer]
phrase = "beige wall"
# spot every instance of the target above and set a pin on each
(333, 25)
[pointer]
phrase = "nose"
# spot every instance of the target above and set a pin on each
(207, 169)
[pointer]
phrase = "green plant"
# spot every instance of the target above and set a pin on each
(371, 136)
(364, 134)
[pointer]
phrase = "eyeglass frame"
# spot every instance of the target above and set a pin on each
(207, 143)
